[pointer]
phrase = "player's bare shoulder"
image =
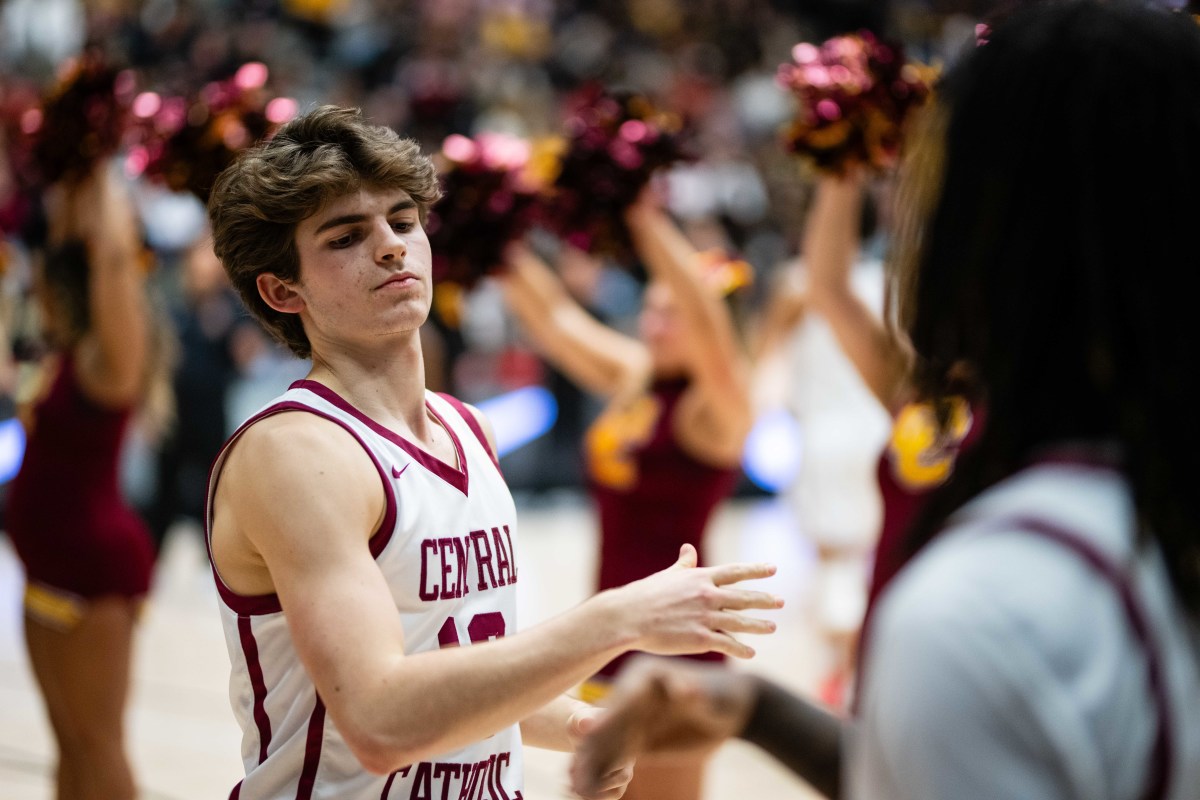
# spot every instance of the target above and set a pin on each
(286, 477)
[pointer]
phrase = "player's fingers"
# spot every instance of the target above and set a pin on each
(736, 623)
(617, 779)
(621, 733)
(615, 793)
(608, 794)
(687, 558)
(736, 573)
(582, 722)
(721, 642)
(595, 761)
(742, 599)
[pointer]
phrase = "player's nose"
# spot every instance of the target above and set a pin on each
(391, 246)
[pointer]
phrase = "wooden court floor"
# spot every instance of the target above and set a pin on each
(183, 739)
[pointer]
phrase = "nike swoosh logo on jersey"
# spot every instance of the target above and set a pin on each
(396, 473)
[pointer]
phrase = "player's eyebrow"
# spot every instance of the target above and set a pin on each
(350, 219)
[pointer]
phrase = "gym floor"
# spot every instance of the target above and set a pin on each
(182, 736)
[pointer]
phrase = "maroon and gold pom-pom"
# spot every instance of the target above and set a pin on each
(615, 142)
(83, 120)
(488, 199)
(187, 142)
(855, 93)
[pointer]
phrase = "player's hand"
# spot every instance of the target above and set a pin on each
(661, 708)
(612, 782)
(689, 609)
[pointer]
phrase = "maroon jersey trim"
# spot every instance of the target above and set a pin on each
(458, 478)
(255, 605)
(1158, 772)
(472, 423)
(312, 752)
(259, 686)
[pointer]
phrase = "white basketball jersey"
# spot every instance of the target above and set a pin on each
(447, 550)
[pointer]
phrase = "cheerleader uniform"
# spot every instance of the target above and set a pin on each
(67, 519)
(651, 496)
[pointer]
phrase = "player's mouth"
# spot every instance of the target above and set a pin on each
(399, 280)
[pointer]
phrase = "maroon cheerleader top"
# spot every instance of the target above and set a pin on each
(651, 496)
(919, 458)
(66, 516)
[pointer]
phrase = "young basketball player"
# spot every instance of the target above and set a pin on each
(1041, 639)
(363, 540)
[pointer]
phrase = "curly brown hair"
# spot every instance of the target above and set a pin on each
(258, 202)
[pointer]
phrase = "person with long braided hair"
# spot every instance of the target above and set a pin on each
(1041, 637)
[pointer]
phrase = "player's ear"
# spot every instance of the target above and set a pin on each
(279, 295)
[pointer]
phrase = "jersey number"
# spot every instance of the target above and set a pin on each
(489, 625)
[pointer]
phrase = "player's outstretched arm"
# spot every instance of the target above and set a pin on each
(660, 707)
(306, 498)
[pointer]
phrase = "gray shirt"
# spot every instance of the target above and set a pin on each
(1002, 665)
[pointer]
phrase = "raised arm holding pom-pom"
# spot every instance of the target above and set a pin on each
(831, 244)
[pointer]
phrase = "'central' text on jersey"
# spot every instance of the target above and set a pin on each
(446, 563)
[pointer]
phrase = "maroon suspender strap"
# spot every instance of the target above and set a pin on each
(1160, 766)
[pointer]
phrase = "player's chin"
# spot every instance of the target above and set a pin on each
(407, 315)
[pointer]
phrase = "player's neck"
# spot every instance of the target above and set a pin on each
(388, 384)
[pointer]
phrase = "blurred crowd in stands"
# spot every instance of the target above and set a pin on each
(431, 68)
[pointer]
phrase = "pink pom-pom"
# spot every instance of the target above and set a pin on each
(828, 110)
(459, 148)
(252, 75)
(85, 119)
(282, 110)
(855, 93)
(615, 144)
(188, 141)
(633, 130)
(805, 53)
(487, 202)
(501, 152)
(146, 104)
(31, 121)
